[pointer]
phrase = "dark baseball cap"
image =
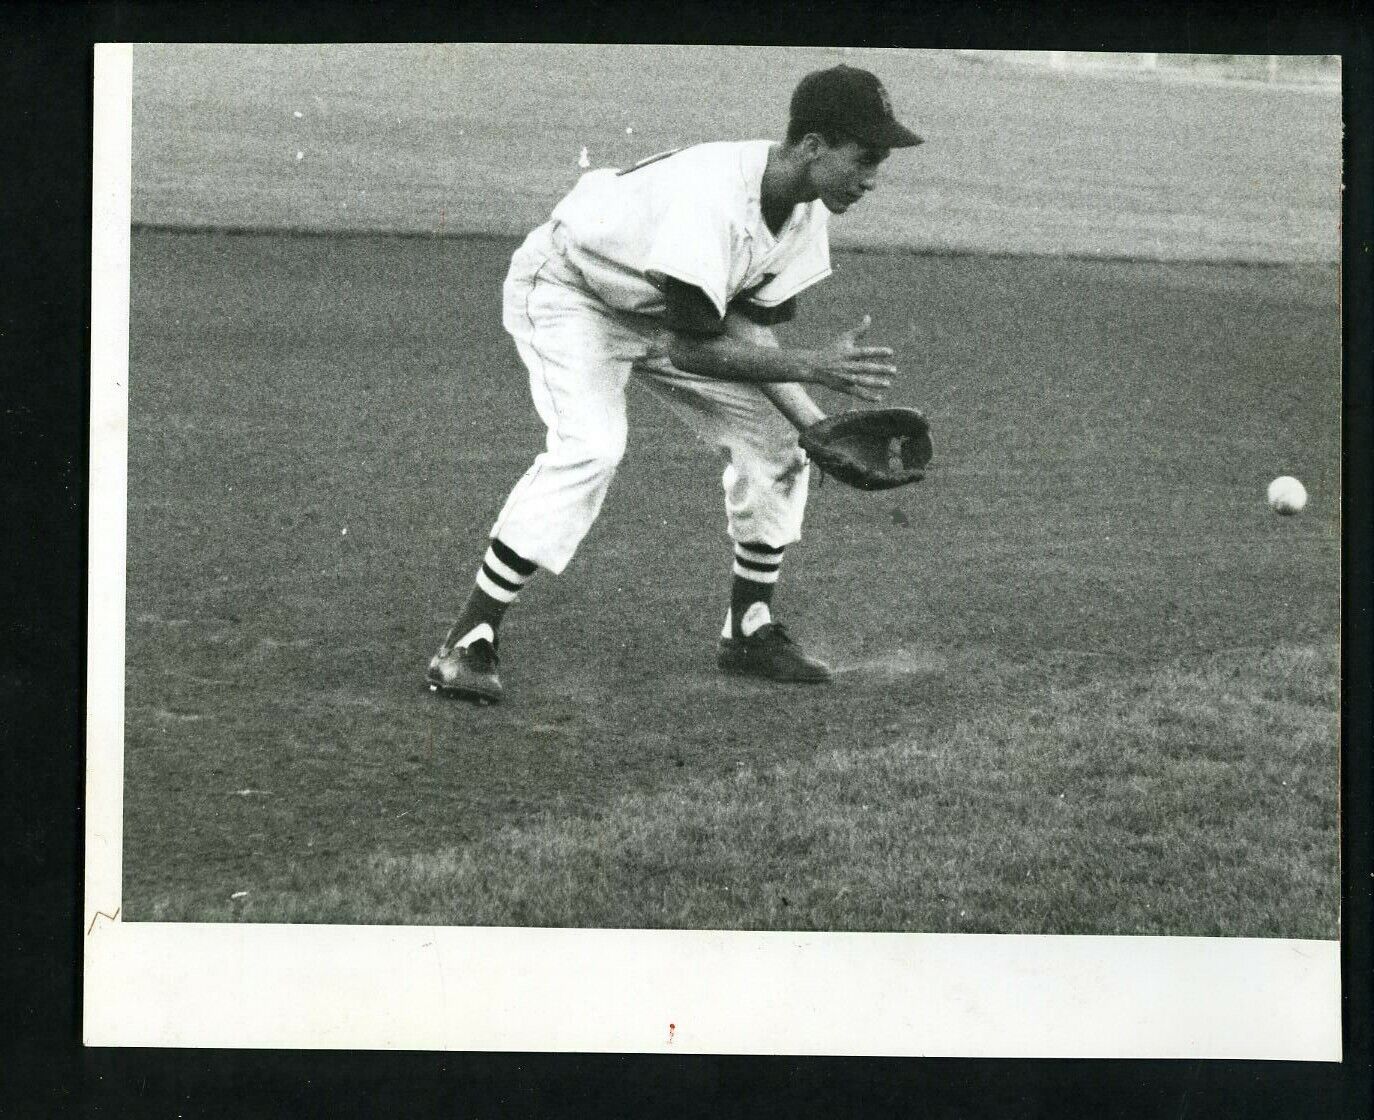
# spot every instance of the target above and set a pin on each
(851, 103)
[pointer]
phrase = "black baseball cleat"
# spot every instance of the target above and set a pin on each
(770, 653)
(468, 673)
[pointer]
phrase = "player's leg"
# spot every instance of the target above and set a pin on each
(578, 360)
(466, 662)
(765, 485)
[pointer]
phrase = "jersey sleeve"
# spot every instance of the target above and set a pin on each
(693, 240)
(783, 312)
(689, 309)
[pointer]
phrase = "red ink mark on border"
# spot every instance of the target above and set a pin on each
(671, 1028)
(101, 914)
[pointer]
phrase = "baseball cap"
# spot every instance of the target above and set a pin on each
(852, 103)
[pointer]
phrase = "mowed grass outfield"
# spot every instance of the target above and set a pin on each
(1087, 680)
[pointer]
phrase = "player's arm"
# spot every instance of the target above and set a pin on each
(791, 399)
(731, 348)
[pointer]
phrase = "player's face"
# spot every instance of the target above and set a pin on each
(841, 174)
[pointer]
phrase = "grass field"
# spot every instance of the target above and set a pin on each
(1087, 679)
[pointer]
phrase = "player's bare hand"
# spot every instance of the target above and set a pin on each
(849, 367)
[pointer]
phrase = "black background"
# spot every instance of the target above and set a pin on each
(45, 183)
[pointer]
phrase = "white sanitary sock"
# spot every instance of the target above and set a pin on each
(757, 615)
(477, 633)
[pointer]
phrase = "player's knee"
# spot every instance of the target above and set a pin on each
(598, 455)
(609, 447)
(784, 461)
(793, 466)
(777, 466)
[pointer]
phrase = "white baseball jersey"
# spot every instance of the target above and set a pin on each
(692, 215)
(581, 301)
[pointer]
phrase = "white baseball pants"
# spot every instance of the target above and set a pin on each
(580, 354)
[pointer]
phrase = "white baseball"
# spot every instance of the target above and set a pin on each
(1287, 495)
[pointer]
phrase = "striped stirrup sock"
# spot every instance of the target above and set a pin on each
(757, 562)
(756, 575)
(503, 573)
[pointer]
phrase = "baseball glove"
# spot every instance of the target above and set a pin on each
(872, 449)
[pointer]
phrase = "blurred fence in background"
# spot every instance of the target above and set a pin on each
(1292, 69)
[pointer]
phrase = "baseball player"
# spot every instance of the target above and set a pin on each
(673, 271)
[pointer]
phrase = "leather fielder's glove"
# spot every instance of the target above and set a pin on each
(872, 449)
